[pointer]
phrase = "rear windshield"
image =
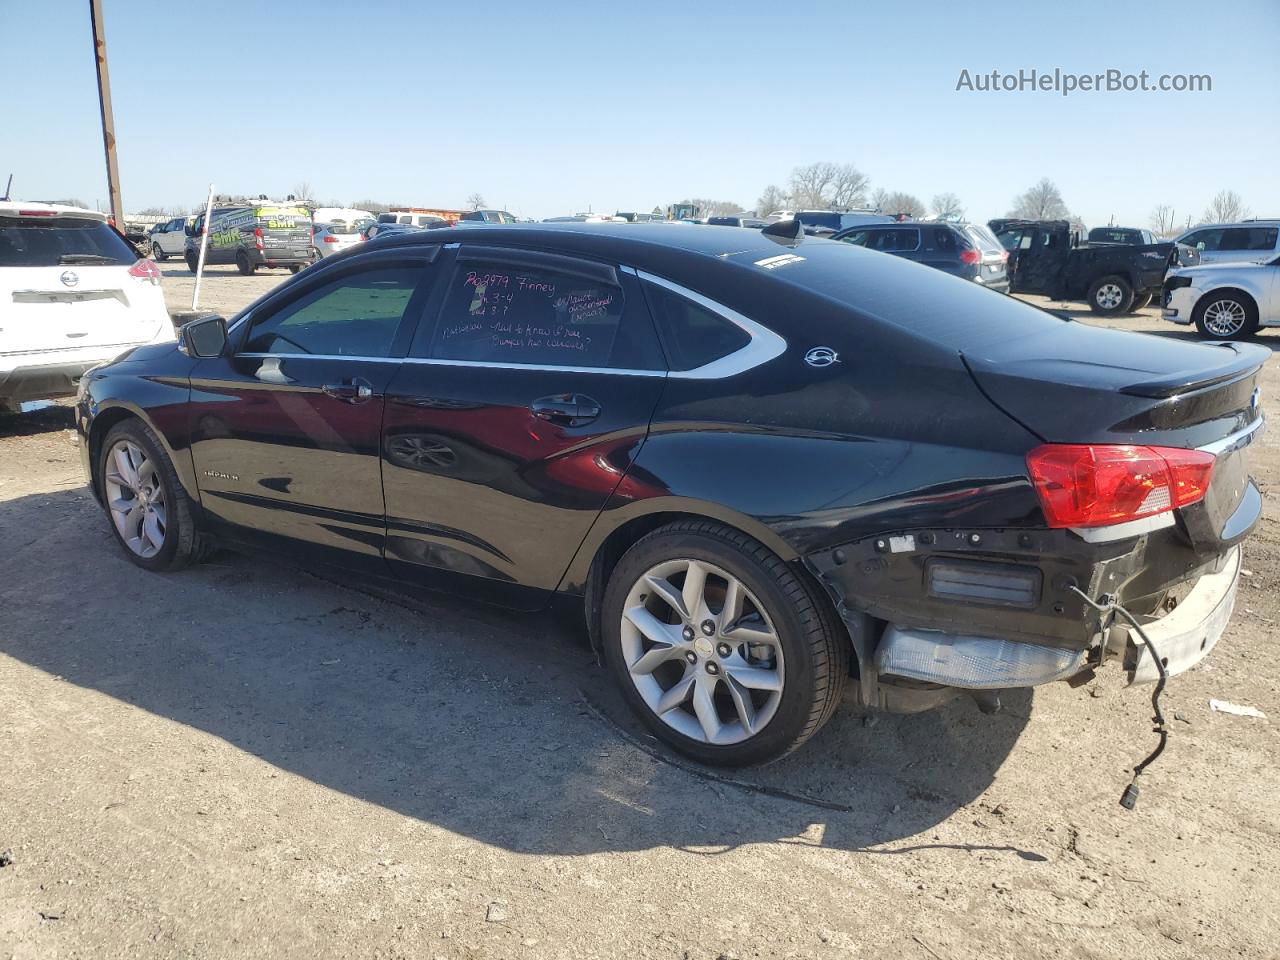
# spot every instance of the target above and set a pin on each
(984, 239)
(283, 218)
(54, 241)
(930, 303)
(345, 229)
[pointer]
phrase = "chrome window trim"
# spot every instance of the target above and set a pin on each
(484, 364)
(765, 345)
(1241, 438)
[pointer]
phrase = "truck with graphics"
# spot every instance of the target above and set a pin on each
(253, 233)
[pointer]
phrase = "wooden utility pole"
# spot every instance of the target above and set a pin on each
(108, 123)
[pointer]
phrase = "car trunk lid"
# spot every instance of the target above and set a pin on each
(1072, 383)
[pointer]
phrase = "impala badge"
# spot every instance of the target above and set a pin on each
(821, 357)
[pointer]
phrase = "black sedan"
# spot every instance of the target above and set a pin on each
(763, 467)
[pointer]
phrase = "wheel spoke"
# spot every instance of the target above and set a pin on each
(133, 523)
(152, 532)
(754, 678)
(750, 635)
(695, 582)
(121, 505)
(652, 628)
(652, 659)
(733, 602)
(146, 472)
(676, 696)
(704, 707)
(669, 594)
(125, 469)
(742, 703)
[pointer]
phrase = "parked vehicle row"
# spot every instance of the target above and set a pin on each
(1046, 257)
(702, 440)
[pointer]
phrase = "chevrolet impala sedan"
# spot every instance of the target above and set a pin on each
(765, 468)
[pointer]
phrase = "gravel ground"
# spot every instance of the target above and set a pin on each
(247, 760)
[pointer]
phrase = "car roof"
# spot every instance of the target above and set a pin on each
(15, 207)
(1238, 223)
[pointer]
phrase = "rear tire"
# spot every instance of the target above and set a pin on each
(295, 269)
(1110, 295)
(158, 254)
(150, 512)
(1225, 315)
(243, 265)
(742, 681)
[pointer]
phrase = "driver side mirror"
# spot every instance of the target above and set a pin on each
(206, 337)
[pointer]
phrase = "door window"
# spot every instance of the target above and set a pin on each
(355, 315)
(498, 312)
(943, 239)
(1206, 240)
(1248, 238)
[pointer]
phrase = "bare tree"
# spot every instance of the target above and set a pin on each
(301, 190)
(824, 185)
(374, 206)
(1226, 207)
(772, 199)
(946, 206)
(1041, 202)
(898, 203)
(878, 197)
(475, 202)
(1162, 220)
(849, 189)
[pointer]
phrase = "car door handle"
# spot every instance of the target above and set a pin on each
(350, 391)
(566, 409)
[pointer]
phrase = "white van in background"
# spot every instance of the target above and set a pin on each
(75, 295)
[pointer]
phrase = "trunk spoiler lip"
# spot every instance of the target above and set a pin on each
(1247, 359)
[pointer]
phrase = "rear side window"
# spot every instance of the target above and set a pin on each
(693, 335)
(1248, 238)
(355, 315)
(54, 241)
(503, 313)
(944, 239)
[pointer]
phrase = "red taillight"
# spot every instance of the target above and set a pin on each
(330, 239)
(257, 237)
(1095, 485)
(37, 213)
(145, 270)
(970, 257)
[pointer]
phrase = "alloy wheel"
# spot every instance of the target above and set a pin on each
(1225, 318)
(702, 652)
(1109, 296)
(135, 497)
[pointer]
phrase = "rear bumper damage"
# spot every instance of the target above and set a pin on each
(935, 614)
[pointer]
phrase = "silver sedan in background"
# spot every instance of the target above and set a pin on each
(330, 238)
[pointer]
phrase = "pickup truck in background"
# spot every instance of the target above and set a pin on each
(1047, 257)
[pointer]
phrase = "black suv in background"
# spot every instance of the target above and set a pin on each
(967, 250)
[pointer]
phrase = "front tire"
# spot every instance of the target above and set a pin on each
(726, 653)
(150, 513)
(1226, 315)
(1110, 295)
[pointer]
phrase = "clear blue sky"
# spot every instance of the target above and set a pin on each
(548, 108)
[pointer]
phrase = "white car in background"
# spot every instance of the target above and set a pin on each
(331, 238)
(346, 216)
(73, 294)
(1225, 301)
(169, 239)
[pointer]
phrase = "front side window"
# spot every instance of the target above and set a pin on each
(355, 315)
(498, 312)
(1210, 240)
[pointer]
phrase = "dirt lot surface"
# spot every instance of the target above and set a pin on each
(246, 760)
